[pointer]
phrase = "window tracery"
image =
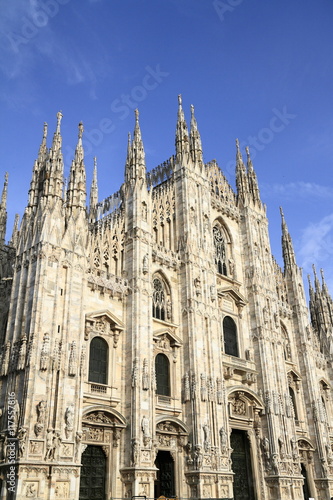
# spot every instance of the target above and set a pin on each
(220, 250)
(162, 308)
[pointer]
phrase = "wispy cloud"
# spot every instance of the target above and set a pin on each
(316, 247)
(30, 39)
(297, 190)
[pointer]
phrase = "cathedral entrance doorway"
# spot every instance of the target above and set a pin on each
(165, 478)
(93, 471)
(241, 466)
(306, 490)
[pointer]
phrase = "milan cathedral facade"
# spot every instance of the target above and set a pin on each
(150, 343)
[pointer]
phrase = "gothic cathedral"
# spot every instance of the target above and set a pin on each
(150, 343)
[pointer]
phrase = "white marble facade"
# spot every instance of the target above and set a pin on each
(154, 330)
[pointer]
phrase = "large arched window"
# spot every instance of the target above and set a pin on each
(162, 373)
(98, 361)
(230, 337)
(220, 250)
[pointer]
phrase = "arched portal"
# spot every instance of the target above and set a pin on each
(93, 474)
(241, 466)
(165, 477)
(306, 490)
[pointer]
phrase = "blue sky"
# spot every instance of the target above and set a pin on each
(256, 70)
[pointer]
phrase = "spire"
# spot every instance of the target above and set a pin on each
(57, 140)
(76, 193)
(317, 284)
(182, 141)
(15, 232)
(324, 284)
(195, 140)
(252, 178)
(241, 177)
(93, 200)
(287, 246)
(311, 291)
(135, 167)
(43, 153)
(4, 192)
(3, 211)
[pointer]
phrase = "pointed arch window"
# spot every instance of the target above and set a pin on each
(162, 373)
(98, 361)
(293, 401)
(220, 250)
(230, 337)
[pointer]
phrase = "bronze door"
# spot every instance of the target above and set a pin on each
(165, 480)
(241, 466)
(93, 470)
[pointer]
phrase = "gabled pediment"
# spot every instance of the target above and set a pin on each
(231, 293)
(103, 322)
(166, 338)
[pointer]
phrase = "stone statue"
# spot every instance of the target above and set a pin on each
(22, 439)
(44, 355)
(49, 445)
(145, 430)
(135, 451)
(69, 420)
(223, 440)
(206, 430)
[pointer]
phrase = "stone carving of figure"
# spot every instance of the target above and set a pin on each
(145, 430)
(72, 363)
(22, 439)
(168, 310)
(294, 448)
(116, 437)
(329, 454)
(41, 410)
(282, 448)
(22, 354)
(56, 442)
(145, 376)
(31, 491)
(69, 420)
(49, 455)
(186, 388)
(145, 267)
(275, 464)
(265, 315)
(223, 440)
(266, 452)
(135, 451)
(45, 352)
(78, 439)
(206, 430)
(197, 457)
